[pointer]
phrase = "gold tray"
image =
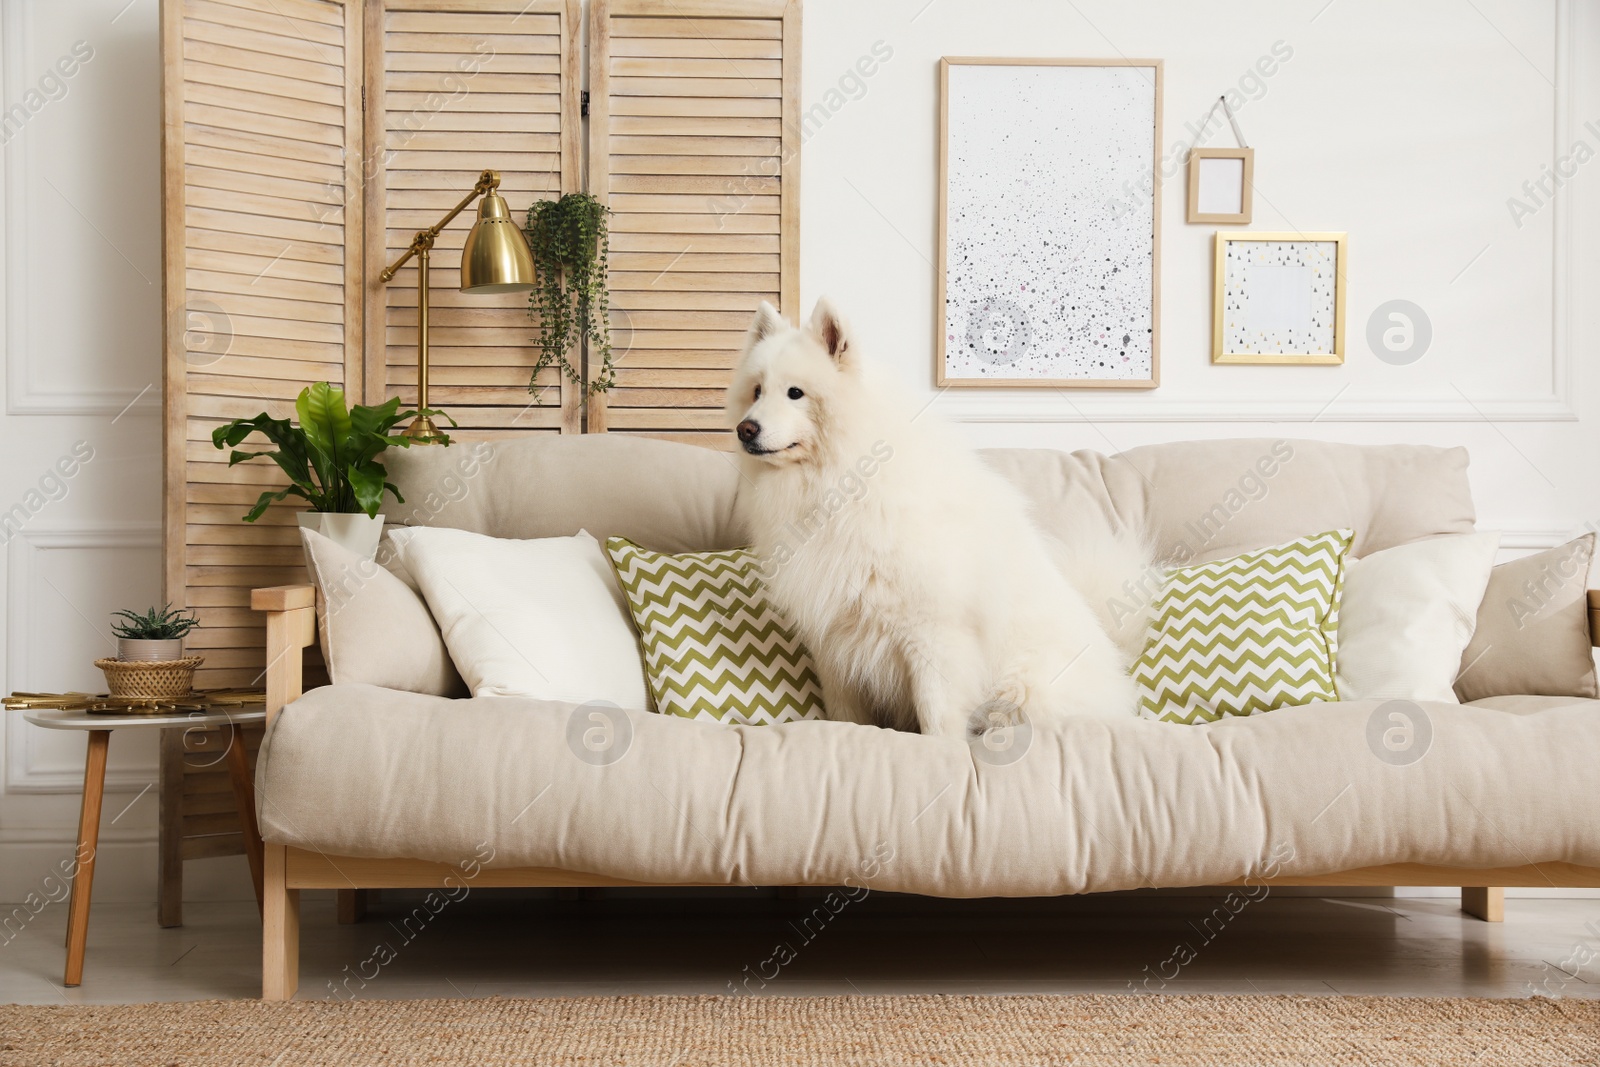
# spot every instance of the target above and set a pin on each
(201, 700)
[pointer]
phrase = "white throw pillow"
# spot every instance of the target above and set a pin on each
(1407, 615)
(543, 618)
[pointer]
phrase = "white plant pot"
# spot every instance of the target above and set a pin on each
(356, 533)
(134, 650)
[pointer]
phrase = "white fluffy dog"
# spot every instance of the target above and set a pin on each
(913, 572)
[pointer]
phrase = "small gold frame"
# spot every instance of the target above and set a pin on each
(1246, 191)
(1219, 285)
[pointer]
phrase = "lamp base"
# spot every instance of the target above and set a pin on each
(422, 431)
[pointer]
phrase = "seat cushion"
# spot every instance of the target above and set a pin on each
(1091, 804)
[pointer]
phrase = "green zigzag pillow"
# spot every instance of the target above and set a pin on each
(714, 648)
(1245, 635)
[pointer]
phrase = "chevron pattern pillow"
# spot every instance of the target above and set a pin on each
(714, 648)
(1245, 635)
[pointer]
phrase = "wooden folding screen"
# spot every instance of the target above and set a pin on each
(305, 142)
(455, 87)
(694, 141)
(263, 272)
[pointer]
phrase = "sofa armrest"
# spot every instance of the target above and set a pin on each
(291, 612)
(1594, 617)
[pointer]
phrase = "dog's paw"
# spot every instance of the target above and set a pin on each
(997, 713)
(1000, 733)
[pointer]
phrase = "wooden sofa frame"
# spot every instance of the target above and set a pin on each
(291, 628)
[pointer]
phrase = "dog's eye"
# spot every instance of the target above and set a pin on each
(758, 392)
(795, 393)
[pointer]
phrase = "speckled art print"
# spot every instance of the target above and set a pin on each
(1049, 229)
(1279, 298)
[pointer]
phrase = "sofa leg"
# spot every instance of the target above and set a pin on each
(1484, 902)
(280, 928)
(352, 905)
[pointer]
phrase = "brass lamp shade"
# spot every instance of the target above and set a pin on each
(495, 257)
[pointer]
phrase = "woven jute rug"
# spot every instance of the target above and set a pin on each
(1242, 1031)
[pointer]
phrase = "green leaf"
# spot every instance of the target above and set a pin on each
(367, 482)
(269, 498)
(377, 420)
(325, 424)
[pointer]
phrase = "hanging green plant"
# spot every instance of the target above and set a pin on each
(571, 243)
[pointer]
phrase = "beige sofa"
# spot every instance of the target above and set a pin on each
(362, 784)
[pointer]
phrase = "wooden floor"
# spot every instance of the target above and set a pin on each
(518, 943)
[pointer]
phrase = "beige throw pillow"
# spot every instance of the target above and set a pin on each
(1533, 628)
(374, 628)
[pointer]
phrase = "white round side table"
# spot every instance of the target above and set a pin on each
(98, 725)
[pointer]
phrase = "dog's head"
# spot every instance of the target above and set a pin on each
(787, 381)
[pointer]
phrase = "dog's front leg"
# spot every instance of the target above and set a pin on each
(841, 702)
(946, 686)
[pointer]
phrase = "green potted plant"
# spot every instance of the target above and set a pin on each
(153, 636)
(571, 243)
(331, 459)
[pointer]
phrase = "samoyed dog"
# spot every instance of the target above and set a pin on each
(913, 572)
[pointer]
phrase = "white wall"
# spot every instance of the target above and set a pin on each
(1406, 125)
(1409, 126)
(82, 334)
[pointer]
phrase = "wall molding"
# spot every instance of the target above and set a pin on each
(959, 405)
(1560, 405)
(23, 395)
(22, 775)
(1533, 539)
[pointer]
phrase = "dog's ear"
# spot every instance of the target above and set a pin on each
(766, 323)
(830, 329)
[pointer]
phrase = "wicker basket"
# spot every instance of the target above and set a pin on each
(167, 679)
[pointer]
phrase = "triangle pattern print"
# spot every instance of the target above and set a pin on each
(1245, 635)
(714, 647)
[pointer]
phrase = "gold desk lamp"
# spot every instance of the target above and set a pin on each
(495, 259)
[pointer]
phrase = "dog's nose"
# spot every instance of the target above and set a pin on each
(748, 430)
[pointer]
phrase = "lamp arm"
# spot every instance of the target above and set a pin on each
(488, 182)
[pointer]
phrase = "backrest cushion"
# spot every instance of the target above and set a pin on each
(1196, 500)
(659, 494)
(1209, 500)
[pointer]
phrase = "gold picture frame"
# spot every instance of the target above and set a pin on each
(1246, 187)
(1227, 326)
(1153, 71)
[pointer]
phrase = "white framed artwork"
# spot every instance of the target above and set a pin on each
(1220, 184)
(1278, 298)
(1049, 223)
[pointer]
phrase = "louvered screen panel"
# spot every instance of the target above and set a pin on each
(262, 269)
(695, 144)
(466, 86)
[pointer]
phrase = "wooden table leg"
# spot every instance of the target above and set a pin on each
(169, 885)
(94, 790)
(244, 796)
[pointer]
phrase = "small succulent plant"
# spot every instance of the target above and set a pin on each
(156, 624)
